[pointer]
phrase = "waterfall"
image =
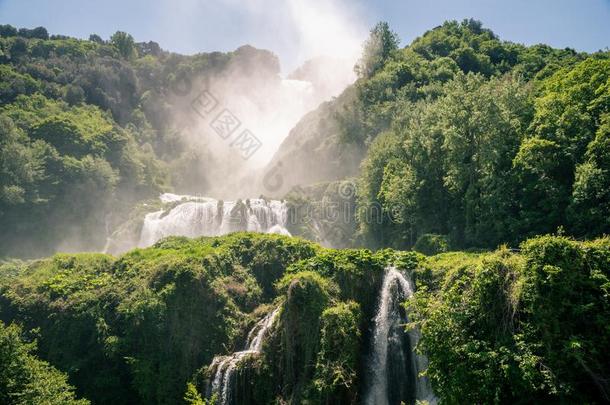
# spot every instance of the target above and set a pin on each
(395, 367)
(202, 216)
(223, 367)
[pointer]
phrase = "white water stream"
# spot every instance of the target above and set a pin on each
(223, 367)
(387, 346)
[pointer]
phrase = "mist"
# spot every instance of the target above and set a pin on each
(312, 51)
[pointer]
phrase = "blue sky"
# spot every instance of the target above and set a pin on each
(295, 28)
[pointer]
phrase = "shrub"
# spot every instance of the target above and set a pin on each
(431, 244)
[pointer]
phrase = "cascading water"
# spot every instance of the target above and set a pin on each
(202, 216)
(395, 367)
(223, 367)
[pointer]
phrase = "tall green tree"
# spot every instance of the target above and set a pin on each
(378, 48)
(25, 379)
(565, 156)
(590, 203)
(124, 44)
(446, 166)
(483, 124)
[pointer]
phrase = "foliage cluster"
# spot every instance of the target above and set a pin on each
(527, 327)
(464, 135)
(24, 378)
(485, 141)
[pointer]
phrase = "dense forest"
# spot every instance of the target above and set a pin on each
(455, 200)
(510, 145)
(465, 136)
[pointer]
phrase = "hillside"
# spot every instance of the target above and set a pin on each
(498, 327)
(314, 151)
(458, 134)
(89, 128)
(463, 135)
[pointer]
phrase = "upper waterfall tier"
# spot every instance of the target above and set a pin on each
(203, 216)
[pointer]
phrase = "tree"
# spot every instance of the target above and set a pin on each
(380, 45)
(74, 94)
(149, 48)
(483, 124)
(96, 38)
(20, 167)
(7, 30)
(13, 83)
(18, 48)
(124, 44)
(542, 170)
(571, 106)
(447, 170)
(567, 157)
(38, 32)
(385, 148)
(589, 210)
(63, 134)
(25, 379)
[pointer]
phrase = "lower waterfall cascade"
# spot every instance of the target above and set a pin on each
(223, 367)
(391, 354)
(203, 216)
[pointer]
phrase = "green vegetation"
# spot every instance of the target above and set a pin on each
(135, 329)
(459, 133)
(466, 141)
(480, 153)
(528, 326)
(337, 363)
(467, 136)
(88, 129)
(430, 244)
(25, 379)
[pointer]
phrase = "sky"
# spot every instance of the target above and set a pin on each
(299, 29)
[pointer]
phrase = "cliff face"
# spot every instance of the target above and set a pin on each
(313, 151)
